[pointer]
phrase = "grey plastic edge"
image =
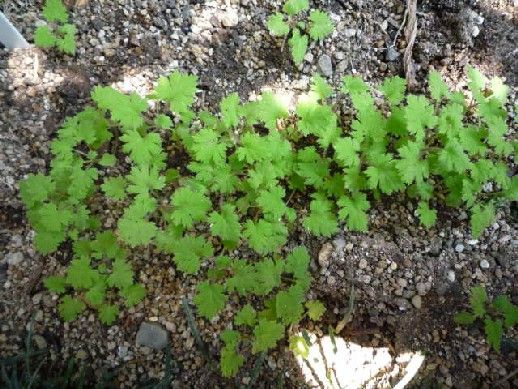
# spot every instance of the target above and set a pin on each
(9, 35)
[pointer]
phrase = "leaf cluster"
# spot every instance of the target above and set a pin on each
(288, 23)
(57, 33)
(197, 186)
(496, 315)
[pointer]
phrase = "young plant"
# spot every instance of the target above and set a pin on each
(241, 184)
(57, 33)
(496, 315)
(289, 21)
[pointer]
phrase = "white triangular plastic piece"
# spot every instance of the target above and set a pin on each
(9, 35)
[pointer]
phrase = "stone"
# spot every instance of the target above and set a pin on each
(391, 55)
(362, 264)
(484, 264)
(325, 254)
(421, 288)
(14, 259)
(459, 247)
(450, 276)
(152, 335)
(417, 301)
(40, 341)
(325, 65)
(339, 243)
(350, 32)
(230, 18)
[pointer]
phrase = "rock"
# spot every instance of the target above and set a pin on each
(325, 65)
(230, 18)
(421, 288)
(14, 259)
(417, 301)
(40, 341)
(350, 32)
(459, 247)
(484, 264)
(362, 264)
(450, 276)
(152, 335)
(122, 352)
(325, 254)
(391, 54)
(339, 243)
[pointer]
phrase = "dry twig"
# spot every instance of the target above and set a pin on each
(410, 35)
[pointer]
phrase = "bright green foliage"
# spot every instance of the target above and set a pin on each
(122, 275)
(124, 109)
(107, 160)
(36, 189)
(394, 89)
(135, 232)
(54, 10)
(477, 300)
(163, 121)
(69, 308)
(320, 221)
(410, 166)
(419, 115)
(267, 276)
(383, 174)
(437, 86)
(178, 90)
(230, 110)
(225, 225)
(321, 87)
(265, 237)
(315, 309)
(507, 309)
(426, 215)
(188, 207)
(494, 332)
(133, 294)
(354, 86)
(59, 33)
(239, 181)
(481, 217)
(298, 45)
(143, 150)
(319, 27)
(293, 7)
(209, 299)
(352, 209)
(246, 316)
(44, 38)
(276, 25)
(55, 284)
(495, 315)
(108, 313)
(230, 361)
(188, 252)
(114, 188)
(288, 305)
(266, 335)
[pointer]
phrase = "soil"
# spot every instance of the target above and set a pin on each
(129, 44)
